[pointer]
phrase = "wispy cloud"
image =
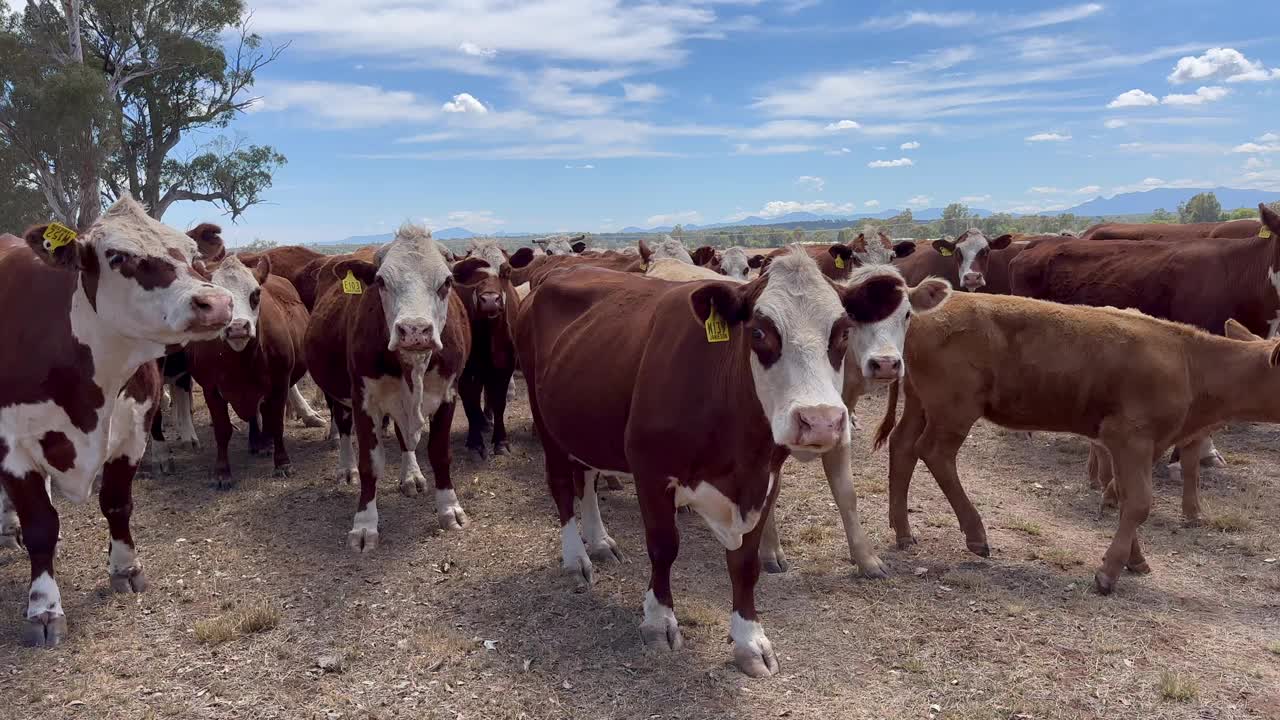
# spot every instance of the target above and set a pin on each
(642, 92)
(1044, 190)
(1152, 183)
(345, 105)
(783, 149)
(778, 208)
(1194, 121)
(989, 22)
(1201, 96)
(675, 218)
(1089, 190)
(900, 162)
(919, 201)
(872, 204)
(481, 221)
(1174, 148)
(975, 198)
(912, 145)
(1048, 137)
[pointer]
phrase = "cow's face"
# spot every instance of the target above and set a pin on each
(413, 282)
(245, 286)
(137, 275)
(667, 247)
(482, 287)
(971, 252)
(563, 245)
(732, 263)
(796, 324)
(876, 347)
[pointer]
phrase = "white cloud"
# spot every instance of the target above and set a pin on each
(1254, 163)
(991, 22)
(784, 149)
(1048, 137)
(1257, 148)
(1174, 148)
(1154, 182)
(1269, 137)
(464, 103)
(900, 162)
(1044, 190)
(474, 50)
(1221, 64)
(811, 182)
(580, 167)
(913, 145)
(676, 218)
(431, 137)
(642, 92)
(919, 201)
(930, 19)
(1035, 209)
(1133, 98)
(1194, 121)
(873, 204)
(1113, 124)
(1089, 190)
(778, 208)
(480, 221)
(838, 151)
(1201, 96)
(345, 105)
(975, 198)
(842, 125)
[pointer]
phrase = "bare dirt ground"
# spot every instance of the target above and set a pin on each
(257, 609)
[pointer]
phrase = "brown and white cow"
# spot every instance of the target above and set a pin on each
(667, 247)
(962, 262)
(390, 339)
(85, 320)
(697, 390)
(562, 245)
(1133, 385)
(255, 363)
(484, 284)
(732, 262)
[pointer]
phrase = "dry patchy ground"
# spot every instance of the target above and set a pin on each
(257, 609)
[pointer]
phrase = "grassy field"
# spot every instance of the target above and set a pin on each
(258, 610)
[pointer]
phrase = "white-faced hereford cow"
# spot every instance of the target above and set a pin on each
(698, 390)
(562, 245)
(85, 320)
(962, 262)
(255, 362)
(390, 340)
(732, 262)
(484, 284)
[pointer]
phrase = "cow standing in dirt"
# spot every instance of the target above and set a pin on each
(85, 320)
(484, 284)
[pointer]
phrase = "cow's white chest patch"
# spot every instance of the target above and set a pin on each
(392, 396)
(718, 511)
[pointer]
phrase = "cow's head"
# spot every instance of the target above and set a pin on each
(875, 347)
(731, 262)
(563, 245)
(970, 252)
(482, 278)
(137, 275)
(795, 325)
(245, 285)
(667, 247)
(413, 281)
(209, 245)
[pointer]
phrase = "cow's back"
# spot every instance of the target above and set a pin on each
(1238, 229)
(927, 262)
(288, 261)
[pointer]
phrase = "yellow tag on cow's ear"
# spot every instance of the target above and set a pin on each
(839, 262)
(351, 286)
(57, 235)
(717, 328)
(1265, 232)
(944, 252)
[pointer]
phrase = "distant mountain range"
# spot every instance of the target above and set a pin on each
(1133, 203)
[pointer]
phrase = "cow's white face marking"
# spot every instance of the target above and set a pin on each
(557, 246)
(733, 264)
(970, 247)
(669, 247)
(490, 252)
(804, 308)
(882, 340)
(246, 296)
(414, 282)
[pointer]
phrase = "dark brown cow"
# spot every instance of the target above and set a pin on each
(698, 390)
(254, 364)
(390, 338)
(317, 276)
(530, 269)
(963, 263)
(84, 320)
(484, 284)
(1238, 229)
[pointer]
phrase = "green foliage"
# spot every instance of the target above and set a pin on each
(258, 245)
(1202, 207)
(21, 203)
(1243, 213)
(955, 211)
(1163, 216)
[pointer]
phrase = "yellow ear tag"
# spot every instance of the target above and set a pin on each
(57, 235)
(351, 286)
(717, 329)
(839, 262)
(1265, 232)
(945, 252)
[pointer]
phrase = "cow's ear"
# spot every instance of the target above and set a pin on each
(844, 256)
(756, 262)
(578, 247)
(262, 269)
(1270, 219)
(929, 294)
(1001, 242)
(362, 270)
(874, 299)
(58, 246)
(504, 272)
(731, 302)
(859, 244)
(469, 270)
(704, 256)
(645, 251)
(1236, 331)
(904, 249)
(521, 258)
(944, 247)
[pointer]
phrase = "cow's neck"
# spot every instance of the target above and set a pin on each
(1231, 380)
(115, 356)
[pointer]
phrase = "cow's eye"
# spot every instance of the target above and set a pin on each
(115, 261)
(757, 334)
(254, 297)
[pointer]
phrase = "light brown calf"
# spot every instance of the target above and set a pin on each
(1134, 385)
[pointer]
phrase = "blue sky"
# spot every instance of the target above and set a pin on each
(542, 115)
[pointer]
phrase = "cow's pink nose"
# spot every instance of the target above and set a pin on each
(884, 367)
(973, 281)
(210, 310)
(238, 329)
(821, 426)
(490, 303)
(417, 335)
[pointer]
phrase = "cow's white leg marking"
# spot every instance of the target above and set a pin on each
(660, 630)
(1210, 457)
(47, 623)
(752, 651)
(10, 532)
(412, 481)
(574, 560)
(184, 424)
(840, 478)
(124, 569)
(364, 529)
(348, 469)
(302, 410)
(449, 511)
(600, 546)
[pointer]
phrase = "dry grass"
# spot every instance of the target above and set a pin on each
(1058, 557)
(813, 534)
(1273, 648)
(1231, 521)
(1177, 687)
(965, 579)
(1025, 526)
(255, 616)
(940, 521)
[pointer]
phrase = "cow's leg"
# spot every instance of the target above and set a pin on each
(660, 630)
(273, 409)
(496, 394)
(340, 415)
(159, 453)
(574, 559)
(840, 478)
(1191, 462)
(183, 410)
(10, 528)
(902, 465)
(448, 509)
(259, 437)
(469, 391)
(1209, 455)
(1103, 476)
(116, 502)
(938, 447)
(600, 547)
(772, 557)
(222, 437)
(302, 410)
(412, 481)
(752, 651)
(1131, 458)
(364, 527)
(46, 624)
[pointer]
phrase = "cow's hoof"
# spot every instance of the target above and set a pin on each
(612, 482)
(979, 548)
(413, 486)
(132, 580)
(1142, 568)
(46, 629)
(606, 551)
(363, 540)
(1104, 583)
(775, 564)
(223, 481)
(1213, 460)
(283, 471)
(873, 569)
(661, 634)
(479, 450)
(349, 477)
(452, 518)
(756, 659)
(580, 569)
(906, 541)
(11, 541)
(501, 448)
(314, 421)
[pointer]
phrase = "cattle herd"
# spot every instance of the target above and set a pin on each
(695, 374)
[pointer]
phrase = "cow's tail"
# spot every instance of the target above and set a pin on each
(890, 417)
